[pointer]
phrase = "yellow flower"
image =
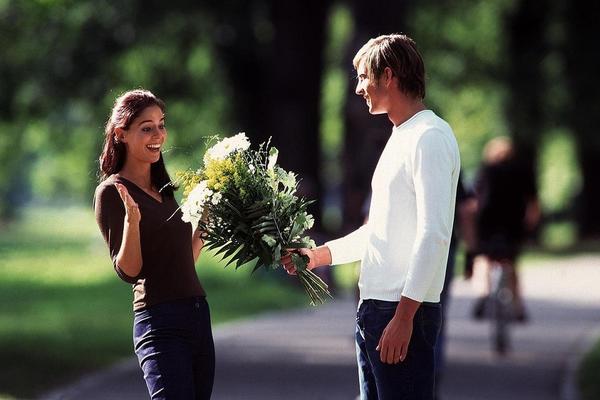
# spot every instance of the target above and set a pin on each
(219, 174)
(188, 180)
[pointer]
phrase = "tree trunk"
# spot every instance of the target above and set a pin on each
(293, 83)
(526, 51)
(273, 55)
(583, 64)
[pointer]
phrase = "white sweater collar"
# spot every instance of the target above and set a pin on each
(408, 121)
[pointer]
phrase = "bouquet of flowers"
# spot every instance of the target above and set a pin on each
(248, 209)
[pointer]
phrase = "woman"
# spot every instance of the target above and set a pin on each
(154, 252)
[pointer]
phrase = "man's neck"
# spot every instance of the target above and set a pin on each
(403, 109)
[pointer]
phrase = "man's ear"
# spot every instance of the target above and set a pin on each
(388, 74)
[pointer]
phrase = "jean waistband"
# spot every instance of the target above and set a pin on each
(184, 302)
(375, 301)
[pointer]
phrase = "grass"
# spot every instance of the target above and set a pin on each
(64, 312)
(587, 375)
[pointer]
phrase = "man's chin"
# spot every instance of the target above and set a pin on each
(373, 111)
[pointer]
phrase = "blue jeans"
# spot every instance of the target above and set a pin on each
(174, 345)
(412, 379)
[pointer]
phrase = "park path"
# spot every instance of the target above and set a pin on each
(309, 354)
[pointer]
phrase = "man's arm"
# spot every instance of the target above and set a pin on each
(435, 174)
(433, 180)
(318, 257)
(340, 251)
(394, 341)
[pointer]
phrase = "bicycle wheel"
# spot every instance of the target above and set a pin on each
(500, 309)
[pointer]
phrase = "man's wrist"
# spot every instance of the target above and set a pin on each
(322, 256)
(407, 309)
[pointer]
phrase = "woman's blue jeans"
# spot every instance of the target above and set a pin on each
(412, 379)
(174, 345)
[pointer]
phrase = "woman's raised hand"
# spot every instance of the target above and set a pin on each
(132, 211)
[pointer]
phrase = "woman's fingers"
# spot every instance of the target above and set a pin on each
(123, 193)
(131, 207)
(125, 196)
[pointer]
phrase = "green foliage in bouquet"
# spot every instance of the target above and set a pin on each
(248, 209)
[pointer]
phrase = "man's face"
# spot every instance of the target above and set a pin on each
(372, 92)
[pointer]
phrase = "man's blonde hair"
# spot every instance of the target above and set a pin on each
(400, 54)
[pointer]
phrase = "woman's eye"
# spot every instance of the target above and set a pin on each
(146, 129)
(161, 127)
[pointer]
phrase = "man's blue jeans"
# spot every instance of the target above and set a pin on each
(412, 379)
(174, 345)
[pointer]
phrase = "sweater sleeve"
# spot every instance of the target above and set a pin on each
(434, 164)
(348, 248)
(110, 214)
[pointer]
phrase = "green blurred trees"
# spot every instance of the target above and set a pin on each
(63, 63)
(270, 68)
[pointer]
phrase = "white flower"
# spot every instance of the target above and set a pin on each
(216, 198)
(193, 206)
(199, 194)
(225, 147)
(189, 214)
(273, 153)
(251, 168)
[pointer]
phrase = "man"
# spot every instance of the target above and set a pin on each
(404, 245)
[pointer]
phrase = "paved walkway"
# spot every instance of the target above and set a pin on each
(309, 354)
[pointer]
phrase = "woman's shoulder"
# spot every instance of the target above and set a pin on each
(106, 189)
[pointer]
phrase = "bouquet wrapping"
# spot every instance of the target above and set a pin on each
(248, 208)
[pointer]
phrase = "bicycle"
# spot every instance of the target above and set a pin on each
(500, 305)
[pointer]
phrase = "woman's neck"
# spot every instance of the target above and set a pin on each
(140, 176)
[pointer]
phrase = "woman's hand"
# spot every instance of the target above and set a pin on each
(132, 211)
(129, 258)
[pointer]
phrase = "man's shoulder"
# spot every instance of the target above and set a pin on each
(435, 135)
(431, 121)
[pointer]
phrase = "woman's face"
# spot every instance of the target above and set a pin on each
(146, 135)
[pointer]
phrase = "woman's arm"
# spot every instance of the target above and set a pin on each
(129, 258)
(197, 243)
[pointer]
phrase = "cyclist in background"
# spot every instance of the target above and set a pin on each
(507, 210)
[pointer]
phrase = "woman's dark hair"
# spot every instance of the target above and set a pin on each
(127, 108)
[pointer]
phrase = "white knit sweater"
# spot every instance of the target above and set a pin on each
(404, 245)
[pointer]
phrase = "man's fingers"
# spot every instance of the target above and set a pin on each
(383, 352)
(290, 269)
(392, 353)
(403, 351)
(397, 356)
(286, 262)
(382, 346)
(378, 348)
